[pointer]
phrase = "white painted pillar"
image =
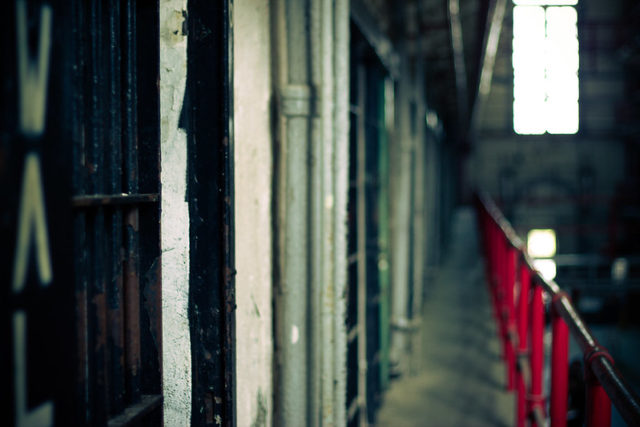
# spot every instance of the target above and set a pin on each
(174, 220)
(253, 168)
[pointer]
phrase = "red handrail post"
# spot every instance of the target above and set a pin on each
(501, 259)
(523, 318)
(493, 271)
(598, 402)
(535, 397)
(559, 370)
(509, 291)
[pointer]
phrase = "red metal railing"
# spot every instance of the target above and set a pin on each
(516, 290)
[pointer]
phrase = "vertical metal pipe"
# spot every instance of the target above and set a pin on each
(418, 207)
(292, 292)
(328, 290)
(523, 319)
(559, 372)
(536, 399)
(341, 172)
(400, 203)
(383, 232)
(317, 214)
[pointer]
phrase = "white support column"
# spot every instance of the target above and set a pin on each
(174, 221)
(253, 168)
(401, 152)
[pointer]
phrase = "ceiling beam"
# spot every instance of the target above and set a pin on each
(457, 47)
(495, 18)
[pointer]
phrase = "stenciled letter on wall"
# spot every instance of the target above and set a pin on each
(32, 232)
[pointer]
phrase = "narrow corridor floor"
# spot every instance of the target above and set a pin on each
(461, 377)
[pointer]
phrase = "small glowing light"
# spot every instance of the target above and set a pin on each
(619, 270)
(546, 267)
(541, 243)
(432, 119)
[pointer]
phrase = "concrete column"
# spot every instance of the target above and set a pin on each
(174, 220)
(401, 156)
(253, 169)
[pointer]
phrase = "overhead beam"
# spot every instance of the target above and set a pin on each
(457, 46)
(495, 18)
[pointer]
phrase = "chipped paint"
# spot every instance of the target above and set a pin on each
(174, 226)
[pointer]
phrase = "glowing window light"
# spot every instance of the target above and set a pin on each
(541, 243)
(545, 67)
(545, 2)
(546, 267)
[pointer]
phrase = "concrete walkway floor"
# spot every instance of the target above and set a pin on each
(462, 378)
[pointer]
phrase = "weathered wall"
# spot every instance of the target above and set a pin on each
(176, 346)
(513, 166)
(253, 194)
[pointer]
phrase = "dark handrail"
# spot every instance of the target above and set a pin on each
(598, 362)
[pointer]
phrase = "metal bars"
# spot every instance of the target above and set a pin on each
(117, 285)
(367, 350)
(605, 385)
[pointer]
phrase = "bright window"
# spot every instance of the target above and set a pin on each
(541, 246)
(545, 67)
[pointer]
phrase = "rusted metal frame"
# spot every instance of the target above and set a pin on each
(596, 357)
(113, 199)
(148, 118)
(131, 213)
(98, 89)
(82, 268)
(495, 19)
(80, 226)
(112, 170)
(457, 47)
(229, 345)
(134, 414)
(208, 121)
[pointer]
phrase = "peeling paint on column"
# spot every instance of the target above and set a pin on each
(175, 214)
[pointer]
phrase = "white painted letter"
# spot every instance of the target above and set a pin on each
(32, 75)
(42, 415)
(32, 223)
